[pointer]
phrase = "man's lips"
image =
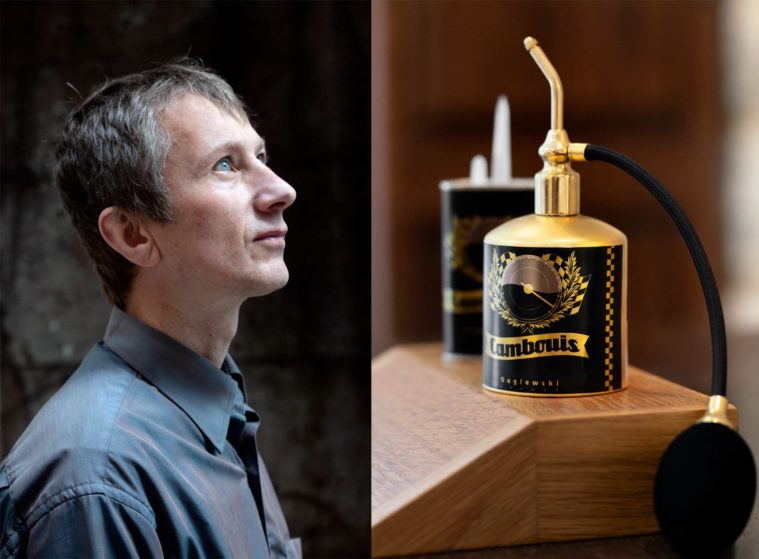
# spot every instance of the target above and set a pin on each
(272, 234)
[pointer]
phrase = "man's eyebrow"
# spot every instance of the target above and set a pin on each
(236, 146)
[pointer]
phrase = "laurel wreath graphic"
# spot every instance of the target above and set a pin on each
(455, 244)
(468, 231)
(571, 288)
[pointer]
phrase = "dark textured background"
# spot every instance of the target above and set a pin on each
(303, 68)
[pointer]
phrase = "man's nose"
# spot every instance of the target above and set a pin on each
(274, 194)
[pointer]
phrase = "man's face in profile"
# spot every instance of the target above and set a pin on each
(228, 234)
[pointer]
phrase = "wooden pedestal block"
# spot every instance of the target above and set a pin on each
(457, 467)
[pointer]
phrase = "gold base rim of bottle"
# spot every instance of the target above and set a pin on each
(567, 395)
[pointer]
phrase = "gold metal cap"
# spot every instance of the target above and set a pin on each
(557, 186)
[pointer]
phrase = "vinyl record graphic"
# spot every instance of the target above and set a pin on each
(531, 288)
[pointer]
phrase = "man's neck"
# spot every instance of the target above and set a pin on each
(206, 330)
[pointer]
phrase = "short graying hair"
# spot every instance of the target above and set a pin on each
(113, 150)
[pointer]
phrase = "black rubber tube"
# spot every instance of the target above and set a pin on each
(696, 249)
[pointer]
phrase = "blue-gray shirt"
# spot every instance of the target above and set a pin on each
(130, 458)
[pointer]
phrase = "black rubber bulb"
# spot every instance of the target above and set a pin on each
(705, 489)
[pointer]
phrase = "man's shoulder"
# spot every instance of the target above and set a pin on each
(68, 448)
(80, 413)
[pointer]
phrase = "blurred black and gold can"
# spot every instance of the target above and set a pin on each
(468, 212)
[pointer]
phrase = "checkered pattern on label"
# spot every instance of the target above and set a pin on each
(609, 333)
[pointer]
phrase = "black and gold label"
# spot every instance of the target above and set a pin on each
(552, 323)
(467, 216)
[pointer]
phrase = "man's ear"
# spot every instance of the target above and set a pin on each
(127, 235)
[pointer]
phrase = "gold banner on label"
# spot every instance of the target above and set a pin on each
(458, 301)
(569, 344)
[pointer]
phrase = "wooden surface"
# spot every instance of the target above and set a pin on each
(456, 467)
(650, 546)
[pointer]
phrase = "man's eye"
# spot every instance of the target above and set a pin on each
(224, 165)
(262, 157)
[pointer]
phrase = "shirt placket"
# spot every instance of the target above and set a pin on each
(242, 435)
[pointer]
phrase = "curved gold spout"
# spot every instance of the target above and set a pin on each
(557, 91)
(557, 186)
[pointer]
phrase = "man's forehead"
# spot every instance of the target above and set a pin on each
(194, 119)
(199, 104)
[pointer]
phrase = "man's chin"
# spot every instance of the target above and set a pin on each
(270, 284)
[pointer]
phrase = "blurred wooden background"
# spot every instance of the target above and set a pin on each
(639, 77)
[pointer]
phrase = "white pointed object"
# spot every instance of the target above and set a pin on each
(478, 170)
(501, 157)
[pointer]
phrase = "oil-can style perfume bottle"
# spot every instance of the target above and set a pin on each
(470, 207)
(555, 295)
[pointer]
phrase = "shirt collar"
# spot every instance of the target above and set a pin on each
(204, 392)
